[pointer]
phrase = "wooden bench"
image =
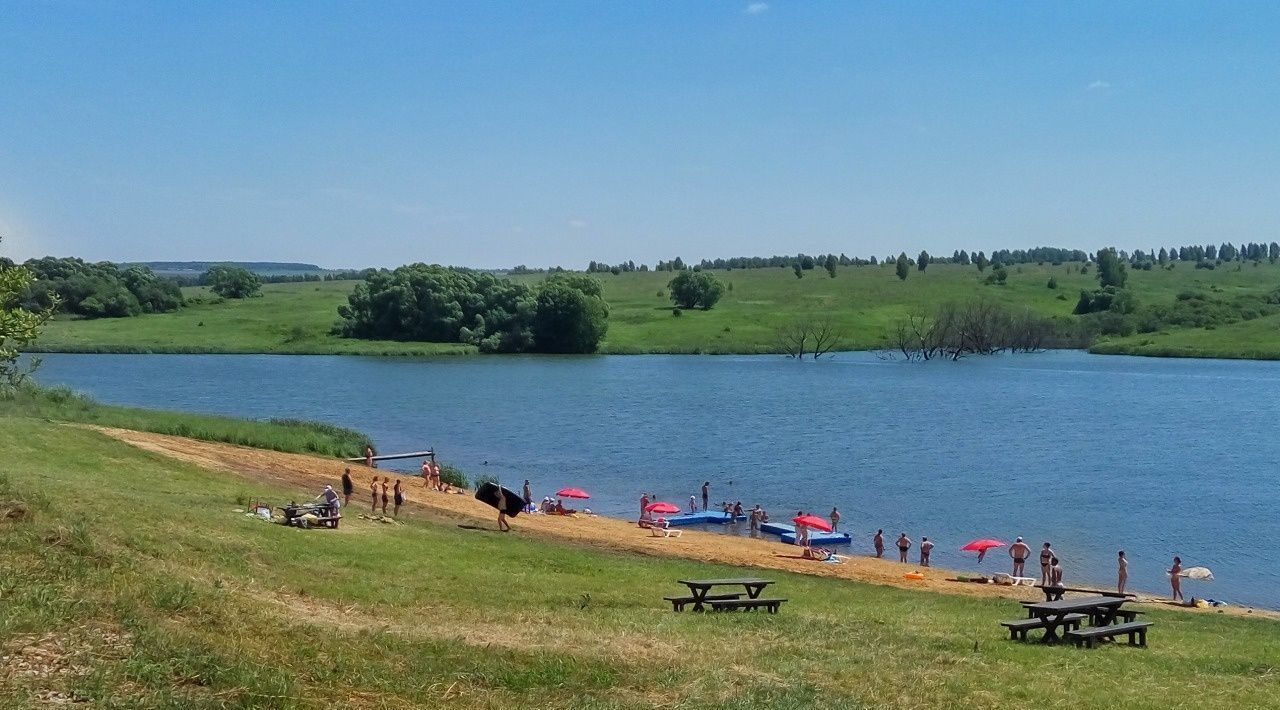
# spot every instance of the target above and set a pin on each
(1018, 629)
(735, 604)
(1136, 630)
(678, 603)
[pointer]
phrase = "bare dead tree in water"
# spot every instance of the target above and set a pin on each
(792, 340)
(817, 336)
(825, 336)
(977, 327)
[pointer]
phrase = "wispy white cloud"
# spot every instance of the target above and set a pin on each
(1098, 85)
(756, 8)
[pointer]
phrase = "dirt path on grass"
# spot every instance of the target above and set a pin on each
(311, 473)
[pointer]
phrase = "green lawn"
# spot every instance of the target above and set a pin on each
(130, 582)
(865, 301)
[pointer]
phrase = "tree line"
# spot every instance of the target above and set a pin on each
(96, 290)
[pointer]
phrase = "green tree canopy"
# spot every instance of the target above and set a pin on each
(19, 326)
(696, 290)
(100, 290)
(571, 317)
(232, 281)
(903, 266)
(922, 262)
(1111, 268)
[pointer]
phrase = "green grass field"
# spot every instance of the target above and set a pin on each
(864, 301)
(130, 583)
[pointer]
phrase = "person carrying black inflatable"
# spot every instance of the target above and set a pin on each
(502, 511)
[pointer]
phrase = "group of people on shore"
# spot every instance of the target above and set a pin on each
(382, 490)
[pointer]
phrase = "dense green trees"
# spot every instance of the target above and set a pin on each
(450, 305)
(922, 262)
(232, 281)
(696, 289)
(903, 267)
(571, 315)
(101, 290)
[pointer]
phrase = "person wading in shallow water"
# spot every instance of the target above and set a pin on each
(904, 545)
(878, 540)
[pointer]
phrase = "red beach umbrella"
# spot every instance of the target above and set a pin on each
(572, 493)
(662, 507)
(813, 521)
(982, 545)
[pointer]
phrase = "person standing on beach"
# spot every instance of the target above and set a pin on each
(755, 518)
(904, 544)
(368, 457)
(399, 498)
(502, 511)
(373, 493)
(385, 497)
(1055, 572)
(1046, 562)
(644, 503)
(737, 510)
(348, 487)
(528, 495)
(925, 548)
(835, 518)
(426, 473)
(1123, 563)
(1019, 551)
(1175, 579)
(706, 495)
(879, 543)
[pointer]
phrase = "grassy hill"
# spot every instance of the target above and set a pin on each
(130, 582)
(865, 301)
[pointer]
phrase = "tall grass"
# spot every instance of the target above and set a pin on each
(157, 595)
(289, 435)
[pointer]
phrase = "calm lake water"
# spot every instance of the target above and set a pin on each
(1092, 453)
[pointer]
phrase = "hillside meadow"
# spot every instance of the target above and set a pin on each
(133, 582)
(864, 301)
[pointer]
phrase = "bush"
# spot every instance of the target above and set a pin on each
(1053, 282)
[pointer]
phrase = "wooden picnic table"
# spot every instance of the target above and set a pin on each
(1053, 614)
(699, 588)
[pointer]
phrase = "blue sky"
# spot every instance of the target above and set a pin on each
(490, 134)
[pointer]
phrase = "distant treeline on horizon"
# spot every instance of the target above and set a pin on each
(1138, 258)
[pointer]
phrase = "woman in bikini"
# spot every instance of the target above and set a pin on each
(373, 494)
(385, 481)
(399, 499)
(1175, 579)
(1046, 562)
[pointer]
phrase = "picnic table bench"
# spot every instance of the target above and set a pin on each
(1126, 614)
(700, 589)
(735, 604)
(1135, 630)
(678, 603)
(1018, 628)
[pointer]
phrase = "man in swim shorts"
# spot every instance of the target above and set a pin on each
(706, 495)
(879, 543)
(925, 548)
(904, 544)
(1019, 551)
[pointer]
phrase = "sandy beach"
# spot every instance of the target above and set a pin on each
(310, 474)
